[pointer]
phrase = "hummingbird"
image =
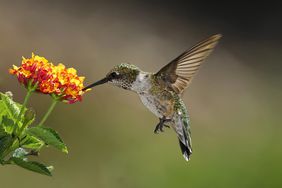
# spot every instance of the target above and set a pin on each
(161, 92)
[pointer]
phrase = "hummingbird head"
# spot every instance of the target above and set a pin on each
(122, 75)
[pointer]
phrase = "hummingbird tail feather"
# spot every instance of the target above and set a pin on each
(185, 144)
(182, 129)
(186, 152)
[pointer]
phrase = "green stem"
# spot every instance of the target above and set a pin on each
(52, 106)
(23, 106)
(30, 89)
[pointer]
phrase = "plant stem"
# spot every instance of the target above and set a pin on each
(23, 105)
(52, 106)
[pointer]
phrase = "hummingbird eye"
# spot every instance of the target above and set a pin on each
(114, 75)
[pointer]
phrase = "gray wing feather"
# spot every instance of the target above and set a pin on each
(178, 74)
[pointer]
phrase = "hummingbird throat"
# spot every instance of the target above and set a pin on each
(142, 83)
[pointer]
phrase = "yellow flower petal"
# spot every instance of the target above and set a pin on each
(71, 70)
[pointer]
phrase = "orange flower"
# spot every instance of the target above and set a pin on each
(69, 84)
(60, 82)
(36, 70)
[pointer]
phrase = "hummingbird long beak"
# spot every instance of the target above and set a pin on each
(102, 81)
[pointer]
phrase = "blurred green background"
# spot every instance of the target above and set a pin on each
(234, 101)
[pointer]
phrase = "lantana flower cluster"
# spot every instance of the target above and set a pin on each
(56, 80)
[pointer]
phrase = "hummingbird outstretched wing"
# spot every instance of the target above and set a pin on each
(177, 75)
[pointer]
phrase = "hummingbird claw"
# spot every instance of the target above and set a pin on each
(160, 126)
(167, 126)
(156, 131)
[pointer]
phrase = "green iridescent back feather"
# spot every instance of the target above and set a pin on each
(180, 106)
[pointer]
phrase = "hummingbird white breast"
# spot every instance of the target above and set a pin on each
(142, 86)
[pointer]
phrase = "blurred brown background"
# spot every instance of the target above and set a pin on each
(234, 101)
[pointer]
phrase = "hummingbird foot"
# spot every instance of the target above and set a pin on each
(160, 126)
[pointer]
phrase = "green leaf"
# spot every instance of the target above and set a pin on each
(11, 107)
(2, 110)
(6, 142)
(29, 117)
(32, 166)
(2, 132)
(32, 142)
(49, 136)
(7, 124)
